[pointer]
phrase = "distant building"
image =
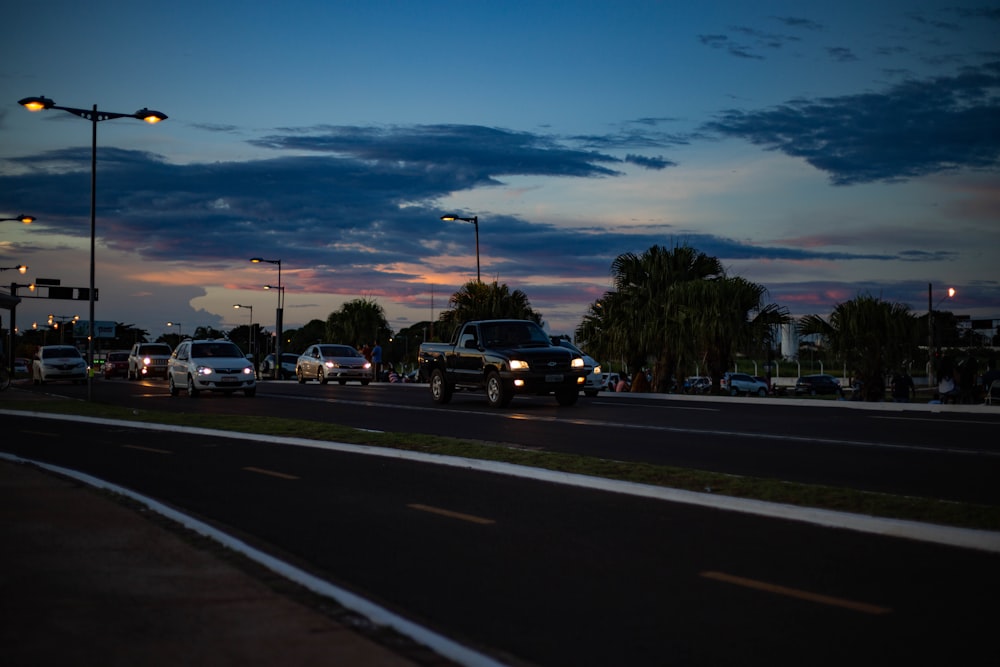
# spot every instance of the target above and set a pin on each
(790, 341)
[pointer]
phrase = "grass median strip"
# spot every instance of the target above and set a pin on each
(929, 510)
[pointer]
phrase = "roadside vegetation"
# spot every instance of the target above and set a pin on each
(928, 510)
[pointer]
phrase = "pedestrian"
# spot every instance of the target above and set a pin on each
(377, 360)
(903, 388)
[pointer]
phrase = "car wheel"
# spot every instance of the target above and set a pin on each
(173, 387)
(320, 376)
(762, 392)
(497, 395)
(440, 389)
(567, 397)
(300, 376)
(191, 389)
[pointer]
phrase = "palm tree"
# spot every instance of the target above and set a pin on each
(724, 316)
(640, 318)
(871, 335)
(477, 300)
(358, 321)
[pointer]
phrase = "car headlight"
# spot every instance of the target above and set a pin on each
(330, 364)
(147, 361)
(248, 371)
(367, 365)
(597, 369)
(577, 362)
(518, 365)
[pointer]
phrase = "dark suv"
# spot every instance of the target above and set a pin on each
(818, 384)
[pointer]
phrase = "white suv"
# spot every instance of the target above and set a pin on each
(210, 365)
(148, 360)
(741, 383)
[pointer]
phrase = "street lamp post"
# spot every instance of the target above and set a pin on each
(252, 337)
(280, 312)
(26, 219)
(475, 221)
(180, 330)
(931, 380)
(13, 322)
(94, 116)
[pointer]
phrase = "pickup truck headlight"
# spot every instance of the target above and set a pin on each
(518, 365)
(577, 362)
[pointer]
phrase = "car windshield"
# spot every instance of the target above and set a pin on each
(338, 351)
(221, 350)
(56, 352)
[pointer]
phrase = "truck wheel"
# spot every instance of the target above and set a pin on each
(567, 396)
(497, 395)
(440, 389)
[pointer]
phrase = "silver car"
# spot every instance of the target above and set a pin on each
(325, 362)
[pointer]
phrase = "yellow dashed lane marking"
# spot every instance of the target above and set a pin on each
(147, 449)
(271, 473)
(796, 593)
(453, 515)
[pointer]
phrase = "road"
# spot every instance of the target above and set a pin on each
(540, 573)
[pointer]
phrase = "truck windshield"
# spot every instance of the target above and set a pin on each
(514, 334)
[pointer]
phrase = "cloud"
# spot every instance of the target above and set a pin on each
(913, 129)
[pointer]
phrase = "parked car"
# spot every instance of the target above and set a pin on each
(287, 370)
(326, 361)
(592, 385)
(58, 362)
(210, 365)
(22, 366)
(148, 360)
(738, 384)
(697, 384)
(819, 383)
(115, 365)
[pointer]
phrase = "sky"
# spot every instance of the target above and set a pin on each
(823, 150)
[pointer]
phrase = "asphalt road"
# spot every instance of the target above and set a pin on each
(911, 450)
(540, 573)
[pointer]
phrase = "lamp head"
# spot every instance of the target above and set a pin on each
(36, 103)
(150, 116)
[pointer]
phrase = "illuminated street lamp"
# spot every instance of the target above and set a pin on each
(94, 116)
(26, 219)
(180, 331)
(237, 306)
(930, 329)
(20, 268)
(280, 313)
(475, 221)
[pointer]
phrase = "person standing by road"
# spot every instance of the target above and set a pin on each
(903, 388)
(377, 360)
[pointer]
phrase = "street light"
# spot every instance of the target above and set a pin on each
(237, 306)
(20, 268)
(930, 328)
(13, 321)
(94, 116)
(26, 219)
(475, 221)
(180, 331)
(280, 312)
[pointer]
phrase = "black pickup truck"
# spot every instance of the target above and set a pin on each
(504, 358)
